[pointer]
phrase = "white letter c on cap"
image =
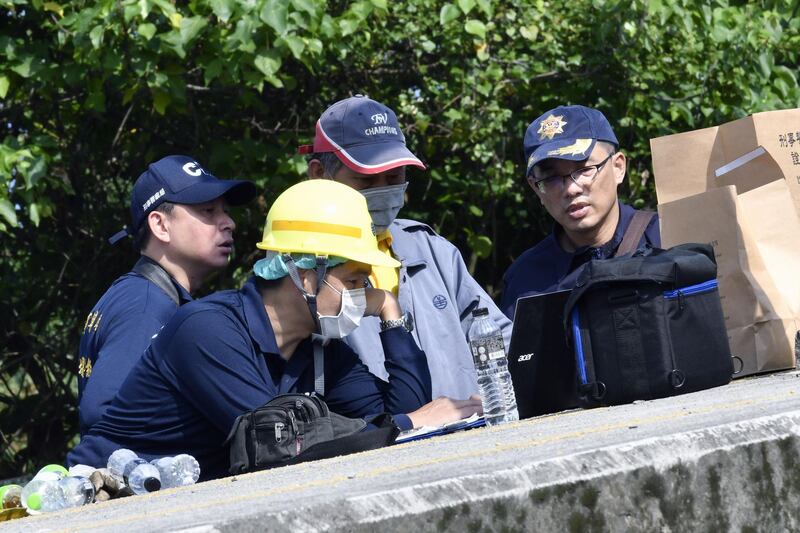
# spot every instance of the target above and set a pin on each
(193, 169)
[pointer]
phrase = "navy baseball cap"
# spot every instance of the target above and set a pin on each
(566, 132)
(364, 135)
(180, 179)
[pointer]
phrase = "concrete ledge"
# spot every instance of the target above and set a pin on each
(717, 460)
(742, 477)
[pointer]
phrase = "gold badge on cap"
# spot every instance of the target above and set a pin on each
(579, 147)
(551, 126)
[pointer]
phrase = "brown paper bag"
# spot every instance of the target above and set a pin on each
(760, 323)
(760, 157)
(687, 162)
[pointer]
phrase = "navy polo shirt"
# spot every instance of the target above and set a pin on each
(218, 358)
(116, 332)
(547, 267)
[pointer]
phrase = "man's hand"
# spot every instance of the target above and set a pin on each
(382, 304)
(444, 410)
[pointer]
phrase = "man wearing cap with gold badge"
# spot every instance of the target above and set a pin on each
(359, 142)
(574, 167)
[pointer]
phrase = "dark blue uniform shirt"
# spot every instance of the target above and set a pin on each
(547, 267)
(217, 358)
(117, 331)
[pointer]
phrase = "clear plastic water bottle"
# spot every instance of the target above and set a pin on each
(494, 380)
(177, 471)
(76, 491)
(138, 474)
(10, 496)
(43, 493)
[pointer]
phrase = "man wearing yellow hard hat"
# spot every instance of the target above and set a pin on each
(234, 351)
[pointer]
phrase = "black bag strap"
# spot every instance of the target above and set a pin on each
(155, 273)
(319, 366)
(632, 236)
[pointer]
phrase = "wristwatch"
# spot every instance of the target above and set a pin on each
(405, 321)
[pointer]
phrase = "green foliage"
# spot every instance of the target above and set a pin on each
(91, 92)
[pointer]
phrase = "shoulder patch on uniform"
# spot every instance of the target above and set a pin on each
(414, 225)
(84, 367)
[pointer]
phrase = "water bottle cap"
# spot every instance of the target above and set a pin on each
(58, 469)
(481, 311)
(152, 484)
(35, 501)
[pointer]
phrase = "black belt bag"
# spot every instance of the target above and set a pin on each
(648, 326)
(293, 428)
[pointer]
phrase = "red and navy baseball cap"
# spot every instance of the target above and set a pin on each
(182, 180)
(566, 132)
(364, 135)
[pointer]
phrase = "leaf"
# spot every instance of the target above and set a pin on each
(486, 7)
(764, 61)
(212, 70)
(4, 85)
(8, 212)
(466, 5)
(160, 101)
(35, 172)
(129, 93)
(175, 19)
(380, 4)
(33, 213)
(786, 75)
(144, 8)
(190, 27)
(146, 30)
(96, 100)
(481, 245)
(54, 7)
(314, 46)
(529, 32)
(475, 210)
(276, 15)
(268, 63)
(295, 44)
(348, 26)
(96, 36)
(305, 5)
(223, 9)
(475, 27)
(24, 68)
(448, 13)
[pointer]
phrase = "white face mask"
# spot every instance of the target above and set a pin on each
(384, 203)
(354, 303)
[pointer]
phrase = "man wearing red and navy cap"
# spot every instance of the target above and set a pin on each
(180, 224)
(359, 142)
(574, 167)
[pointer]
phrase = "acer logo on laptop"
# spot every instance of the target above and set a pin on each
(525, 357)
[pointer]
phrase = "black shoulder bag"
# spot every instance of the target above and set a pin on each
(648, 326)
(293, 428)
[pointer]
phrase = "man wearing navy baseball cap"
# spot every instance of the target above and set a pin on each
(180, 224)
(359, 142)
(574, 165)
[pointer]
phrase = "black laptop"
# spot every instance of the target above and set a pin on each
(542, 366)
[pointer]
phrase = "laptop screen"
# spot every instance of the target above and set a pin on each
(542, 366)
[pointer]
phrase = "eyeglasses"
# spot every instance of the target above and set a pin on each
(582, 176)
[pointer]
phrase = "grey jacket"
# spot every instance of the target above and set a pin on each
(436, 288)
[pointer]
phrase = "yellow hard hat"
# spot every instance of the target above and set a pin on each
(323, 217)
